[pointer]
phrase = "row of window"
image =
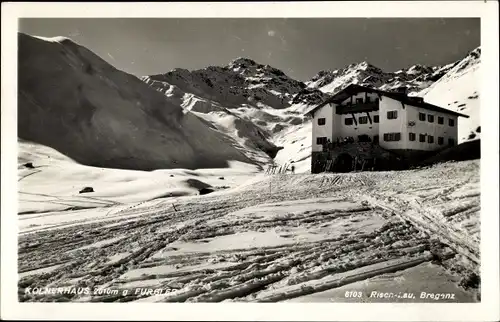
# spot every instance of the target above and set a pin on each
(361, 120)
(393, 137)
(430, 119)
(430, 139)
(361, 138)
(350, 121)
(391, 115)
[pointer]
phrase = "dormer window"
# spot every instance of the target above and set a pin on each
(322, 121)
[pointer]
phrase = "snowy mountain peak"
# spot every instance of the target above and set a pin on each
(476, 53)
(419, 69)
(243, 81)
(364, 65)
(59, 39)
(411, 80)
(472, 59)
(245, 99)
(242, 62)
(363, 73)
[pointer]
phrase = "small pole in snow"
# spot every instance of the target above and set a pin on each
(173, 205)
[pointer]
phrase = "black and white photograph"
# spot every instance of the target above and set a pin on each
(279, 159)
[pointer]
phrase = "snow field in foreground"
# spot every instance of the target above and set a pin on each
(307, 235)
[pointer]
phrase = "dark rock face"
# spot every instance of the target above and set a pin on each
(29, 165)
(243, 81)
(206, 191)
(87, 190)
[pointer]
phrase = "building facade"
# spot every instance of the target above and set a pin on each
(394, 121)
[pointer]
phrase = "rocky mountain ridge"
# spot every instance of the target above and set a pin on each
(242, 111)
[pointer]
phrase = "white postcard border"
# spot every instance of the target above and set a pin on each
(486, 310)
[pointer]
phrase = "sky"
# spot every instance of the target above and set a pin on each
(301, 47)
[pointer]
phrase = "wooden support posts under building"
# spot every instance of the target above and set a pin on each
(328, 165)
(363, 165)
(360, 156)
(355, 163)
(273, 169)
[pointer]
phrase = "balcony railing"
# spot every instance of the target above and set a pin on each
(357, 108)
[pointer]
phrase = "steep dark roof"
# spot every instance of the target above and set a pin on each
(341, 95)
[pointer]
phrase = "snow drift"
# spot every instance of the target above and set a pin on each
(71, 100)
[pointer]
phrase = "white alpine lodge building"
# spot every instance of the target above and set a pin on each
(359, 115)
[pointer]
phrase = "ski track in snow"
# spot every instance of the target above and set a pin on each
(275, 238)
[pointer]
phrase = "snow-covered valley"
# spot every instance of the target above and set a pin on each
(270, 238)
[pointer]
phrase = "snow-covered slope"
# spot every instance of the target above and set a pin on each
(248, 101)
(53, 181)
(73, 101)
(296, 142)
(459, 90)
